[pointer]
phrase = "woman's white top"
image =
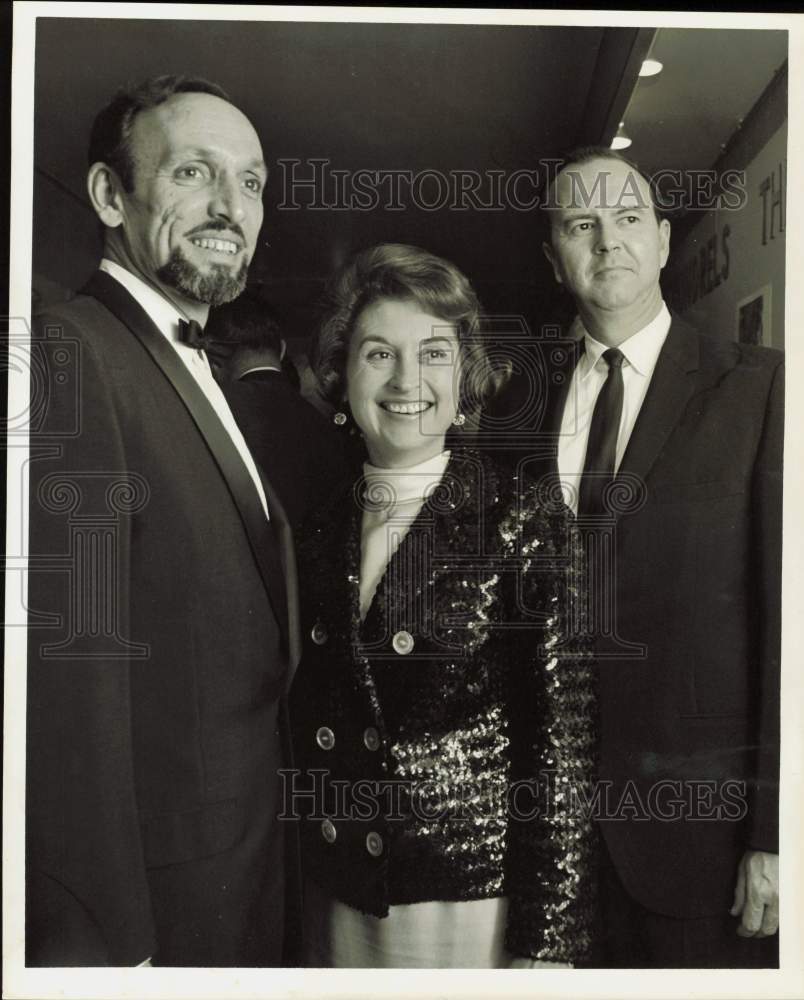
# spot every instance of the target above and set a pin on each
(392, 499)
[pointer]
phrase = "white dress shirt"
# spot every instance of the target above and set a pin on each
(641, 352)
(166, 317)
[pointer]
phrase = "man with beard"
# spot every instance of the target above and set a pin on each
(162, 643)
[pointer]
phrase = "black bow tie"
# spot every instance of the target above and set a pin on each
(192, 333)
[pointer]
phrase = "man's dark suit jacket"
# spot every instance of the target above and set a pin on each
(160, 650)
(301, 452)
(696, 580)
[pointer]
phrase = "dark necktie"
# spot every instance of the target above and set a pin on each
(598, 466)
(192, 333)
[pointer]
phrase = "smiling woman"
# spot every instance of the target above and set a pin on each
(443, 696)
(402, 379)
(398, 303)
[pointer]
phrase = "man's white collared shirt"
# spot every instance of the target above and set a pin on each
(166, 317)
(641, 352)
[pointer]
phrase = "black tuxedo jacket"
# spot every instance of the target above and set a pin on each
(689, 635)
(161, 644)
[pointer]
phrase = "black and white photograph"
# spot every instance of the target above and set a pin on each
(398, 470)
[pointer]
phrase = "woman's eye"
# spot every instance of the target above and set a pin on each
(436, 354)
(378, 355)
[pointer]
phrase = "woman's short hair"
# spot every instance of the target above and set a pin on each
(407, 273)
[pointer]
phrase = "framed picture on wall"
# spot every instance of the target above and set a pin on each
(753, 324)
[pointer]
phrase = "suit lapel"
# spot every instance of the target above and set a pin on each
(557, 398)
(670, 388)
(263, 535)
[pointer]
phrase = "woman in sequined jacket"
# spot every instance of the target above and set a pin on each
(443, 712)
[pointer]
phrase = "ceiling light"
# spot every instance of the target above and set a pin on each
(621, 140)
(651, 67)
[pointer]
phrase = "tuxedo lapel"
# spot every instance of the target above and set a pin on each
(670, 388)
(269, 541)
(287, 556)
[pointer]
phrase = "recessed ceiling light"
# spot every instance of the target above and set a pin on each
(651, 67)
(621, 140)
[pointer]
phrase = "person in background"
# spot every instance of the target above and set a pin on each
(444, 709)
(245, 341)
(297, 447)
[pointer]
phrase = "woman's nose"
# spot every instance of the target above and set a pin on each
(405, 375)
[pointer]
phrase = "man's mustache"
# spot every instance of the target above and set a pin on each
(218, 226)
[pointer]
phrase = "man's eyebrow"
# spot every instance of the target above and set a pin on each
(573, 214)
(199, 152)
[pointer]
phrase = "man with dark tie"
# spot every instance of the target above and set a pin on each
(669, 448)
(161, 595)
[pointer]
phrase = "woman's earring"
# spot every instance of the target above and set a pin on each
(459, 420)
(339, 418)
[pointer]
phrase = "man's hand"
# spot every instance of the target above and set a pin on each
(756, 896)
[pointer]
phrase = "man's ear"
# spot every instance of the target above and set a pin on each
(664, 241)
(104, 189)
(548, 252)
(283, 346)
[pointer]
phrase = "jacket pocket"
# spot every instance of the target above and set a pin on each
(173, 838)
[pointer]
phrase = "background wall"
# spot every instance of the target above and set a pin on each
(374, 97)
(497, 101)
(732, 257)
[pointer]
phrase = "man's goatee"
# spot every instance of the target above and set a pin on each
(214, 289)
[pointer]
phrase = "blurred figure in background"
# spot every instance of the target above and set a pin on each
(295, 446)
(246, 342)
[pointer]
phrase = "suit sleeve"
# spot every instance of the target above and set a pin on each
(87, 899)
(552, 891)
(763, 830)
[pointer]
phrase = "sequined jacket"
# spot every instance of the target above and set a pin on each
(446, 745)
